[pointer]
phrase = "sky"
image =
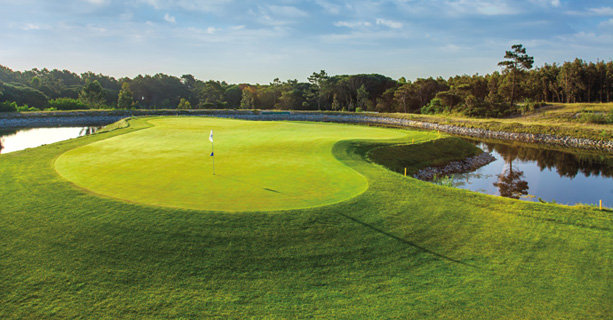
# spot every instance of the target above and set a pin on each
(242, 41)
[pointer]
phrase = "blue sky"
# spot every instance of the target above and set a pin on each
(257, 41)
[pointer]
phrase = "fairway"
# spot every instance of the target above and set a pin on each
(259, 166)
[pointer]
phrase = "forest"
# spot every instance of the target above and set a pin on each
(517, 88)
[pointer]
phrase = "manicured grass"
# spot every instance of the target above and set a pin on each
(259, 165)
(403, 249)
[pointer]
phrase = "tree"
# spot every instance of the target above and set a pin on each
(233, 96)
(92, 94)
(362, 98)
(125, 98)
(319, 83)
(247, 101)
(517, 62)
(184, 104)
(402, 96)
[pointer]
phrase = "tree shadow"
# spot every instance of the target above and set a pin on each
(251, 184)
(407, 242)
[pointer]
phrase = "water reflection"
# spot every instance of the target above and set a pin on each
(20, 139)
(566, 164)
(529, 173)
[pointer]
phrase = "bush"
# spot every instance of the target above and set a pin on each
(488, 110)
(435, 106)
(66, 104)
(596, 118)
(23, 95)
(529, 106)
(25, 108)
(8, 106)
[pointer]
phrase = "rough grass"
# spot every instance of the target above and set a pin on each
(403, 249)
(558, 119)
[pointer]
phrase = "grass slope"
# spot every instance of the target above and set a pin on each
(259, 165)
(559, 119)
(402, 249)
(433, 153)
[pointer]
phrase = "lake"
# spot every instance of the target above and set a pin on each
(533, 172)
(20, 139)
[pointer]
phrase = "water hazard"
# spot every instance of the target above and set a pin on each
(20, 139)
(533, 174)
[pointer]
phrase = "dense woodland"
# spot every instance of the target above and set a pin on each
(517, 88)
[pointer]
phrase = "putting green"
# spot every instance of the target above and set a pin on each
(259, 166)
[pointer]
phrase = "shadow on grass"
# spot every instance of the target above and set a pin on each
(408, 242)
(251, 184)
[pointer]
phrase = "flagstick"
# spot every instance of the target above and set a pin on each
(213, 153)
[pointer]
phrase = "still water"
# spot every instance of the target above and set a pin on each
(530, 173)
(20, 139)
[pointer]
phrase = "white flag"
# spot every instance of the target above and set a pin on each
(211, 136)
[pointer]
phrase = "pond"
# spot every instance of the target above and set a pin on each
(23, 138)
(533, 173)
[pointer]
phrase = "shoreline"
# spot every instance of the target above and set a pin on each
(64, 118)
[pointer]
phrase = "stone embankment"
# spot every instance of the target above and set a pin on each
(455, 167)
(16, 120)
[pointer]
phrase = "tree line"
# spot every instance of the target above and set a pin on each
(517, 88)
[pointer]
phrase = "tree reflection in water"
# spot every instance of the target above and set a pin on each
(510, 183)
(566, 164)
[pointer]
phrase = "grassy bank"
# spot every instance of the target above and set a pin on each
(402, 249)
(428, 154)
(563, 120)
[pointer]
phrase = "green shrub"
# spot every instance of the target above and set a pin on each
(435, 106)
(66, 104)
(25, 108)
(23, 95)
(588, 116)
(8, 106)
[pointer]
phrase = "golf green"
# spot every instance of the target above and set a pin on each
(259, 166)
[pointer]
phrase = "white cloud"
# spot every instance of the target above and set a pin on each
(390, 23)
(607, 23)
(278, 15)
(482, 7)
(31, 26)
(587, 39)
(604, 11)
(353, 25)
(170, 18)
(329, 7)
(190, 5)
(287, 11)
(452, 48)
(363, 38)
(544, 3)
(98, 2)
